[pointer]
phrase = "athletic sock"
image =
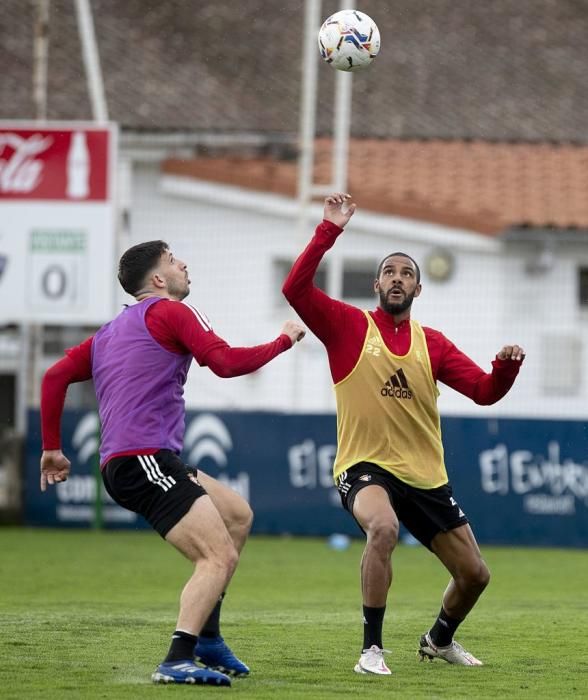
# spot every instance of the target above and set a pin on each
(373, 619)
(442, 631)
(182, 646)
(212, 625)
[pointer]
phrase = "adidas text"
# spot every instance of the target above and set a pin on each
(396, 393)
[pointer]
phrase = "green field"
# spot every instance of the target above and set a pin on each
(89, 615)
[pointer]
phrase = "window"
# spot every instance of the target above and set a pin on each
(7, 400)
(358, 279)
(282, 268)
(583, 287)
(564, 376)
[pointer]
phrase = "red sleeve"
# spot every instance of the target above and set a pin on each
(76, 366)
(182, 329)
(233, 362)
(340, 326)
(455, 369)
(322, 314)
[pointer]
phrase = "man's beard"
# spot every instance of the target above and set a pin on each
(177, 291)
(395, 307)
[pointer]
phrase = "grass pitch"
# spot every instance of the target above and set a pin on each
(88, 615)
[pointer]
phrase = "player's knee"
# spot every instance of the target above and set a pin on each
(483, 575)
(226, 558)
(232, 563)
(383, 533)
(477, 577)
(232, 557)
(243, 519)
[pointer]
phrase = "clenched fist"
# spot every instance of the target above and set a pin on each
(294, 330)
(511, 352)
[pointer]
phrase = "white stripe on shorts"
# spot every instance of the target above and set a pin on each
(154, 473)
(169, 480)
(147, 468)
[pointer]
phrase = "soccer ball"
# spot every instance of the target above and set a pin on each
(349, 40)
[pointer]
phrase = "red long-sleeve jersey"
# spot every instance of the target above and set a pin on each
(177, 327)
(342, 328)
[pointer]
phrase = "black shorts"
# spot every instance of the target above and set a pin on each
(423, 512)
(160, 487)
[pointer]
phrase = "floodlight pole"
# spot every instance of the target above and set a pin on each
(341, 128)
(341, 120)
(28, 331)
(312, 19)
(40, 57)
(91, 60)
(100, 114)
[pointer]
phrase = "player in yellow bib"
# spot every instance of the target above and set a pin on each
(390, 466)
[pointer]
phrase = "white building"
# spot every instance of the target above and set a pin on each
(239, 245)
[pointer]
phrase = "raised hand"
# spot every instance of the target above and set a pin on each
(511, 352)
(339, 208)
(54, 468)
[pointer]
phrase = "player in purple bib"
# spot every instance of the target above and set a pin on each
(139, 363)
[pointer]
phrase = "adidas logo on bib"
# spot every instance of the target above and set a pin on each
(397, 386)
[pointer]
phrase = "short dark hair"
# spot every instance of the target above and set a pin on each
(403, 255)
(137, 262)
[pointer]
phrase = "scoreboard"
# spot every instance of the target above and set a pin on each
(57, 222)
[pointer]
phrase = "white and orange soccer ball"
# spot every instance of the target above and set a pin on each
(349, 40)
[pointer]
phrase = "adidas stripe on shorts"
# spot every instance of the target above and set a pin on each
(160, 487)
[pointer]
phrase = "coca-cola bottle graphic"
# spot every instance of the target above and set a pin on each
(78, 167)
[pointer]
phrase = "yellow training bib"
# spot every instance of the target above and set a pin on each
(387, 412)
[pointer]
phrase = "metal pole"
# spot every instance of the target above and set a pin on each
(312, 19)
(98, 520)
(91, 60)
(342, 123)
(40, 55)
(100, 114)
(29, 332)
(341, 129)
(23, 382)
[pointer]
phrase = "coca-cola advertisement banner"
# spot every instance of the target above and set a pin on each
(54, 164)
(57, 222)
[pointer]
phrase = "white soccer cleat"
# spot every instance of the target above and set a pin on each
(372, 661)
(453, 654)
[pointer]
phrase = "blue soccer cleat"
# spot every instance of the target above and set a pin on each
(187, 672)
(214, 653)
